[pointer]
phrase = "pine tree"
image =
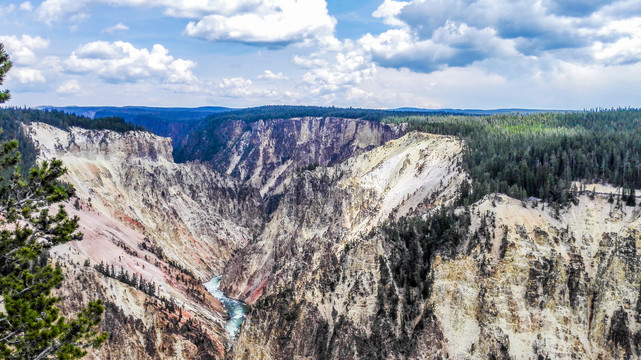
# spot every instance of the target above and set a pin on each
(5, 65)
(31, 326)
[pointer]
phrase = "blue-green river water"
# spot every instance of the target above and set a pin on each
(236, 309)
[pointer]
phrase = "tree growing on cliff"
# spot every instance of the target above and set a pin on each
(31, 327)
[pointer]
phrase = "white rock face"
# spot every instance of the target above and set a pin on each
(554, 290)
(267, 153)
(524, 282)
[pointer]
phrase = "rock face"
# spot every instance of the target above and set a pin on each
(265, 154)
(173, 225)
(196, 216)
(327, 208)
(318, 278)
(332, 231)
(521, 280)
(538, 285)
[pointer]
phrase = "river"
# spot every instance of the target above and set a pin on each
(236, 309)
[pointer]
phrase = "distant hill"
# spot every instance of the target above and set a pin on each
(479, 111)
(172, 122)
(196, 130)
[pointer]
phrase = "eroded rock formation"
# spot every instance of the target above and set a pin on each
(332, 231)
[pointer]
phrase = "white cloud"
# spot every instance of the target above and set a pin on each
(27, 75)
(270, 75)
(389, 11)
(122, 62)
(273, 22)
(58, 10)
(431, 35)
(258, 22)
(69, 87)
(26, 6)
(22, 49)
(334, 75)
(196, 9)
(235, 87)
(117, 27)
(627, 46)
(6, 10)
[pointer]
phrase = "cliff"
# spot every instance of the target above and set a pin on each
(340, 273)
(333, 231)
(172, 225)
(266, 153)
(196, 216)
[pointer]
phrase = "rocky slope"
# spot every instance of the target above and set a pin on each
(172, 225)
(332, 231)
(542, 285)
(196, 216)
(516, 280)
(265, 154)
(326, 208)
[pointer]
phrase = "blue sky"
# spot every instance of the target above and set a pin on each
(377, 53)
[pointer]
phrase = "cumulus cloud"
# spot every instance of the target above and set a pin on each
(430, 35)
(454, 44)
(26, 6)
(69, 87)
(257, 22)
(336, 73)
(389, 11)
(270, 75)
(117, 27)
(235, 87)
(122, 62)
(22, 49)
(57, 10)
(272, 22)
(26, 75)
(626, 49)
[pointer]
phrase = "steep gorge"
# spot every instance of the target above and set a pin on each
(173, 225)
(266, 153)
(330, 240)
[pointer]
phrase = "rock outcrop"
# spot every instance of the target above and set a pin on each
(314, 274)
(196, 216)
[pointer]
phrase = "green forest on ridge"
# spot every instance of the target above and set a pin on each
(541, 155)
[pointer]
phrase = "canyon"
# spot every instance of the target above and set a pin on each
(320, 226)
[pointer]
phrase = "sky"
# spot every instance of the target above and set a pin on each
(483, 54)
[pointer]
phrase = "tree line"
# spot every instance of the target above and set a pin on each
(11, 118)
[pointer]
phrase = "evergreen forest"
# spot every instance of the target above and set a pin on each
(543, 155)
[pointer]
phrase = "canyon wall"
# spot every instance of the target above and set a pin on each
(266, 153)
(173, 225)
(332, 231)
(516, 280)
